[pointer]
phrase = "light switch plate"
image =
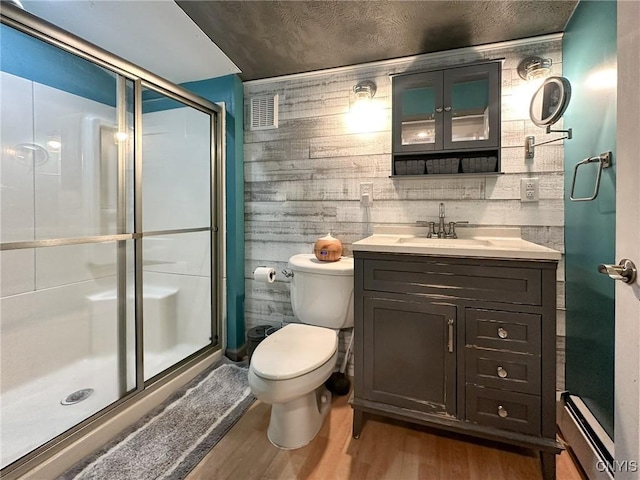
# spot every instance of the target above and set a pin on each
(366, 193)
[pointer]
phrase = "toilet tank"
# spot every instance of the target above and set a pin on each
(322, 292)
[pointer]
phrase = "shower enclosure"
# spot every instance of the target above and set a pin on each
(109, 227)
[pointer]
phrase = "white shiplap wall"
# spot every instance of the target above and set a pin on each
(302, 179)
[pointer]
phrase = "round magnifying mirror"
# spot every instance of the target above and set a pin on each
(550, 101)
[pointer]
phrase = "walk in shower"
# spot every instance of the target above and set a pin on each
(109, 214)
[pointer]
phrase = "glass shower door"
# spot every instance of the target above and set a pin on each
(177, 230)
(109, 236)
(67, 298)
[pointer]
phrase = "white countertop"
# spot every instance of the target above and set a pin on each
(471, 242)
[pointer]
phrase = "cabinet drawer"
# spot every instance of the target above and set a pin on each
(518, 412)
(474, 282)
(516, 332)
(516, 372)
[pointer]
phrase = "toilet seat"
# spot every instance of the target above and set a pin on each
(293, 351)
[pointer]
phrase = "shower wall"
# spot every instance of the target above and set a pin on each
(49, 171)
(46, 193)
(58, 305)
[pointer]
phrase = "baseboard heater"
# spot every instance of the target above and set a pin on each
(586, 438)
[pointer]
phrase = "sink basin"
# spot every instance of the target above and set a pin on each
(444, 242)
(475, 242)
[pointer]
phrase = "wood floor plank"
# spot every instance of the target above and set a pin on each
(386, 450)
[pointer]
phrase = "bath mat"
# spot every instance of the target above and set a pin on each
(172, 439)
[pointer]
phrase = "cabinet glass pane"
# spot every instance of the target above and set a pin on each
(470, 107)
(418, 115)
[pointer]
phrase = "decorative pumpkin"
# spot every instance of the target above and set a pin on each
(328, 249)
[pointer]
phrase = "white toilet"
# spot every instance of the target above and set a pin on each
(289, 367)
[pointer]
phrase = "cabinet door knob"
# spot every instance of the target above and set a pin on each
(502, 373)
(439, 110)
(502, 412)
(447, 109)
(502, 333)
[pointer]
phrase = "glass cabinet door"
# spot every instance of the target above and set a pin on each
(471, 107)
(417, 104)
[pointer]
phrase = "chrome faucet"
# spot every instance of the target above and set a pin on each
(441, 224)
(441, 233)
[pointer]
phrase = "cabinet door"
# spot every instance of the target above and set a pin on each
(417, 112)
(409, 358)
(472, 107)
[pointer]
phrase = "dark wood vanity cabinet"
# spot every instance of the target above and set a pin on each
(461, 344)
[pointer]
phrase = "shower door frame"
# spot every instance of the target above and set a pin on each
(46, 32)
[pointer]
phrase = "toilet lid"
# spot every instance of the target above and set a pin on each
(293, 350)
(307, 262)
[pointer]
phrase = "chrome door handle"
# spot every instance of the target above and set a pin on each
(625, 270)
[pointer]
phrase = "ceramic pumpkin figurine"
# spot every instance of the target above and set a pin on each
(328, 249)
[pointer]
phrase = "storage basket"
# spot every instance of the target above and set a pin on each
(479, 165)
(400, 167)
(443, 165)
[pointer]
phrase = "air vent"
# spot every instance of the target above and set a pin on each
(264, 113)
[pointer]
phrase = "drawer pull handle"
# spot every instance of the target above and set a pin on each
(502, 333)
(502, 373)
(502, 412)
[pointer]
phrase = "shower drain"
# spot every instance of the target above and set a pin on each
(77, 397)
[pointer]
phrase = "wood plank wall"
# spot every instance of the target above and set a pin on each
(302, 179)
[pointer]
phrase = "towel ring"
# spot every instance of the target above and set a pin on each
(604, 160)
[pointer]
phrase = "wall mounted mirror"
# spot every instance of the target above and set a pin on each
(550, 101)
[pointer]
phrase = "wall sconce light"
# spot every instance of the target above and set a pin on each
(365, 115)
(365, 90)
(532, 68)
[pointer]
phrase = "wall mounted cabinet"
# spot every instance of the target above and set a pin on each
(447, 121)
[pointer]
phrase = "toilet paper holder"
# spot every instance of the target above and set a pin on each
(287, 273)
(264, 274)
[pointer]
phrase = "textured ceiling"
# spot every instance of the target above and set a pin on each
(272, 38)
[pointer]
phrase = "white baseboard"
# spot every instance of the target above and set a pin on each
(582, 446)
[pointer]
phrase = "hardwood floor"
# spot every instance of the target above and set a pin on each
(385, 450)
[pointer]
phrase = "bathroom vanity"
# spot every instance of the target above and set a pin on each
(458, 334)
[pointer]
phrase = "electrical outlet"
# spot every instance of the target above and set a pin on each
(366, 194)
(529, 190)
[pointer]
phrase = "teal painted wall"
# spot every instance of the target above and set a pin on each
(153, 101)
(27, 57)
(589, 46)
(229, 89)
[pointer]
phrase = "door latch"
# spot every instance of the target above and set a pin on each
(625, 270)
